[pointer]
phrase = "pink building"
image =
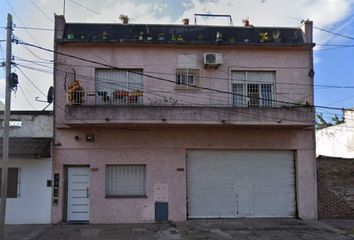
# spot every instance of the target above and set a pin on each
(157, 122)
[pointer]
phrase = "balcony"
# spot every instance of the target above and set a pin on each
(187, 108)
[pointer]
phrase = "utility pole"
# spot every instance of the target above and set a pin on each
(5, 138)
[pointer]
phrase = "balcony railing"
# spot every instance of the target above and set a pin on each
(179, 98)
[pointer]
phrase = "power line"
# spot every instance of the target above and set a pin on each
(239, 111)
(32, 82)
(201, 77)
(23, 93)
(34, 28)
(82, 6)
(28, 32)
(334, 33)
(41, 10)
(172, 81)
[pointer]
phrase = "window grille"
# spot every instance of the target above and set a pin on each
(187, 77)
(253, 89)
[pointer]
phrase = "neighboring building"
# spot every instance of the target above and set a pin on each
(337, 141)
(30, 167)
(335, 187)
(197, 122)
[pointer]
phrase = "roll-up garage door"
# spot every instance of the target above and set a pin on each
(237, 184)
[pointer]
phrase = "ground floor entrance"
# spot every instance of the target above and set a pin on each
(78, 197)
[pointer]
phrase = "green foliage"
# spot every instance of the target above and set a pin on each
(322, 123)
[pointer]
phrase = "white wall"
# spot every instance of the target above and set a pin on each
(33, 205)
(338, 140)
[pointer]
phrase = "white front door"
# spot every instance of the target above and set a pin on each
(78, 193)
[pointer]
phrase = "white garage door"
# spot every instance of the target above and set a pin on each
(235, 184)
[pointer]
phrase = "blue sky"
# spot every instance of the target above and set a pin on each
(332, 67)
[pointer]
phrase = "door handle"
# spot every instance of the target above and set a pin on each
(87, 192)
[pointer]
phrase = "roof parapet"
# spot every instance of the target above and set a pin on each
(59, 26)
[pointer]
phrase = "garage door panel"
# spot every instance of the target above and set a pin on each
(214, 178)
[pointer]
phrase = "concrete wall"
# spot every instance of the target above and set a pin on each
(33, 124)
(163, 150)
(337, 141)
(33, 204)
(291, 66)
(335, 178)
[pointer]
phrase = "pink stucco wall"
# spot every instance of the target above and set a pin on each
(163, 150)
(291, 66)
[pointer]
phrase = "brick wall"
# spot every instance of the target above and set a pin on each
(335, 178)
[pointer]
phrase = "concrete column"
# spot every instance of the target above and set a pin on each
(306, 184)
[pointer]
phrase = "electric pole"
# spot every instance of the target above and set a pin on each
(5, 138)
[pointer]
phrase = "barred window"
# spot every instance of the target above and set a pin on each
(253, 88)
(185, 78)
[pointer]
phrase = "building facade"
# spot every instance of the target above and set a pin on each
(174, 122)
(337, 141)
(29, 167)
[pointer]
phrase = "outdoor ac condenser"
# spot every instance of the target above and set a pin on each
(213, 60)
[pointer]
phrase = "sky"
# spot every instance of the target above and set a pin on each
(333, 65)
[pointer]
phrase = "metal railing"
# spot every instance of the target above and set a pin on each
(191, 98)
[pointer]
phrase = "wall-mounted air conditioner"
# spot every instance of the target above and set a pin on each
(212, 60)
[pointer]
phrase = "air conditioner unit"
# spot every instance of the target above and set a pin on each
(212, 60)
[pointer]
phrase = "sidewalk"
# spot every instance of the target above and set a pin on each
(245, 229)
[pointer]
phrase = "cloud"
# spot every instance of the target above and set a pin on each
(328, 14)
(137, 12)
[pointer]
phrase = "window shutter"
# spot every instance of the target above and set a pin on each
(125, 180)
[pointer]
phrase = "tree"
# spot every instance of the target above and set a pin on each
(321, 122)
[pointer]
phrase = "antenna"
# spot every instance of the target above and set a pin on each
(212, 15)
(50, 97)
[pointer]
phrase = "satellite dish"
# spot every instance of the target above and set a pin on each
(50, 95)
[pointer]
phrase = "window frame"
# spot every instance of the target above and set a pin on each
(262, 103)
(125, 195)
(106, 95)
(196, 79)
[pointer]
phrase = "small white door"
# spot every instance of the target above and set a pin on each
(78, 193)
(244, 201)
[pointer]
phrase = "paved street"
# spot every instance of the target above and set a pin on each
(247, 229)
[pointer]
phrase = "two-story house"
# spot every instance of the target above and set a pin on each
(157, 122)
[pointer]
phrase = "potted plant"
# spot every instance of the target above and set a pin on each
(141, 36)
(120, 94)
(263, 37)
(134, 96)
(71, 36)
(161, 37)
(276, 36)
(105, 35)
(124, 18)
(179, 38)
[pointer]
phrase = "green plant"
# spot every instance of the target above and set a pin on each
(104, 35)
(263, 37)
